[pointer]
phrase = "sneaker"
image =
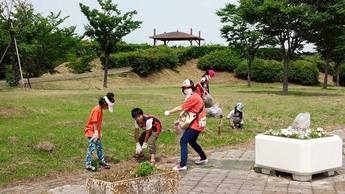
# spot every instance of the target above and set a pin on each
(90, 168)
(179, 168)
(104, 165)
(200, 162)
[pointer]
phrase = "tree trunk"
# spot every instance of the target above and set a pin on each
(337, 67)
(105, 79)
(325, 81)
(250, 60)
(286, 74)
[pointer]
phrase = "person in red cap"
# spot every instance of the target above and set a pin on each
(203, 85)
(93, 131)
(193, 103)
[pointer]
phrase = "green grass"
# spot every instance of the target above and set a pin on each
(59, 116)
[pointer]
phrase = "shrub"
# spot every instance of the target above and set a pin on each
(125, 47)
(119, 60)
(82, 64)
(147, 61)
(144, 169)
(320, 63)
(219, 60)
(195, 52)
(303, 72)
(10, 79)
(262, 70)
(270, 54)
(341, 75)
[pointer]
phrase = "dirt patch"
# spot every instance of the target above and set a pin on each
(12, 111)
(12, 139)
(46, 146)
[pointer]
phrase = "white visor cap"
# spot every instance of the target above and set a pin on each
(110, 104)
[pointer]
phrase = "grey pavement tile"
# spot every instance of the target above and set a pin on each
(226, 191)
(204, 189)
(340, 186)
(299, 190)
(189, 183)
(320, 191)
(279, 189)
(249, 192)
(229, 186)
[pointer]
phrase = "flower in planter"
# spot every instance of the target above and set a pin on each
(298, 134)
(300, 129)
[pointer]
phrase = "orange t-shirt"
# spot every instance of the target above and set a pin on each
(193, 104)
(96, 116)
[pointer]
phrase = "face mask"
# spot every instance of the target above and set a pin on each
(188, 91)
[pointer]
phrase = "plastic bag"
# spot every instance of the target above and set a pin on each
(302, 121)
(214, 111)
(208, 100)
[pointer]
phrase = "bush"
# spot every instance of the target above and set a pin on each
(195, 52)
(220, 60)
(262, 70)
(82, 64)
(270, 54)
(303, 72)
(144, 169)
(341, 75)
(10, 79)
(147, 61)
(119, 60)
(124, 47)
(320, 63)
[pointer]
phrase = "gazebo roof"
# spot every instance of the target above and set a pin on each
(175, 36)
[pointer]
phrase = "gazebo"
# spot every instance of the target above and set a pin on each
(166, 37)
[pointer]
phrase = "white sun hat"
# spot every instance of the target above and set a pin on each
(110, 104)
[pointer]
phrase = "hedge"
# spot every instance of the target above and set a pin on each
(262, 70)
(300, 71)
(320, 63)
(303, 72)
(270, 54)
(223, 60)
(195, 52)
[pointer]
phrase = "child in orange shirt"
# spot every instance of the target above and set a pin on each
(93, 131)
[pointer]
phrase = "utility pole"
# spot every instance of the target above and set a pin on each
(13, 38)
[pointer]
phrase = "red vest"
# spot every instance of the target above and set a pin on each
(156, 124)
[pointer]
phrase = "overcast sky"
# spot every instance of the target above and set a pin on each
(164, 15)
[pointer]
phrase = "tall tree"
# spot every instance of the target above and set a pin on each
(107, 26)
(284, 21)
(242, 35)
(327, 27)
(338, 56)
(41, 43)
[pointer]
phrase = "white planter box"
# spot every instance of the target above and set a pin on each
(299, 157)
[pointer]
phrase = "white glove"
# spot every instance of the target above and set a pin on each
(167, 113)
(138, 148)
(94, 137)
(144, 145)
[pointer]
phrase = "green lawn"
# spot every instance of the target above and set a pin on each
(59, 116)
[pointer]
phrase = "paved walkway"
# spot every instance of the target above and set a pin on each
(228, 171)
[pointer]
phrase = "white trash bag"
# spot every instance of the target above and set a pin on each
(214, 111)
(302, 121)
